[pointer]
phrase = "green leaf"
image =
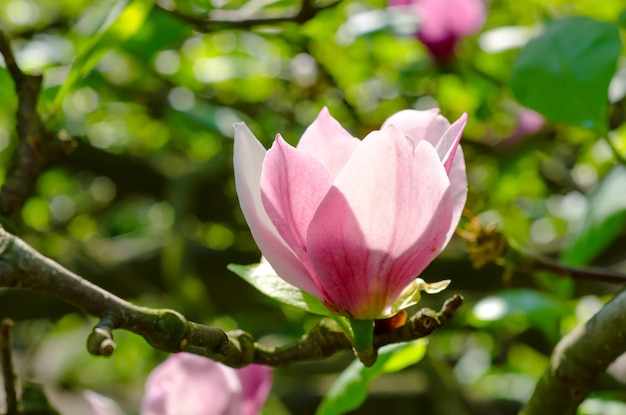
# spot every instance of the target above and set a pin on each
(350, 389)
(622, 20)
(604, 220)
(565, 73)
(265, 279)
(8, 97)
(124, 20)
(516, 310)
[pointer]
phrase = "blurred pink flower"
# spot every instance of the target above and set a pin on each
(529, 122)
(444, 22)
(193, 385)
(351, 221)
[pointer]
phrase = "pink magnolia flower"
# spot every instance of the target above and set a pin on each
(351, 221)
(193, 385)
(444, 22)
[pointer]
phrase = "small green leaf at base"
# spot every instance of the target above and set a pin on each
(263, 277)
(412, 294)
(351, 387)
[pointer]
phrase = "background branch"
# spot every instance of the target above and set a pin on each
(21, 266)
(8, 372)
(540, 262)
(579, 359)
(38, 146)
(236, 20)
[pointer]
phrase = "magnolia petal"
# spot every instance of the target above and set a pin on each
(358, 231)
(447, 146)
(432, 127)
(329, 142)
(192, 385)
(431, 241)
(458, 190)
(420, 125)
(293, 183)
(404, 185)
(256, 383)
(248, 161)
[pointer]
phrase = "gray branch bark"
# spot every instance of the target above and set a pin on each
(579, 359)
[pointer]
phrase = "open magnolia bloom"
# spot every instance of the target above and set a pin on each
(354, 222)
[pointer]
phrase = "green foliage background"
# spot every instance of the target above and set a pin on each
(146, 207)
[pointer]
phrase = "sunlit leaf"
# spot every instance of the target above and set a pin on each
(8, 97)
(604, 220)
(265, 279)
(412, 294)
(351, 387)
(565, 73)
(125, 18)
(517, 310)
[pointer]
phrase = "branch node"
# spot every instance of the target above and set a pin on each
(169, 331)
(241, 349)
(100, 341)
(450, 307)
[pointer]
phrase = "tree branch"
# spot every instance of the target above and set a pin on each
(235, 19)
(8, 372)
(579, 359)
(21, 266)
(38, 147)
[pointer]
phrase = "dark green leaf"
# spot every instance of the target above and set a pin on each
(604, 221)
(565, 73)
(124, 20)
(350, 389)
(518, 309)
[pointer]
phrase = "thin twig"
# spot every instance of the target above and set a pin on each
(38, 146)
(578, 273)
(8, 372)
(9, 59)
(21, 266)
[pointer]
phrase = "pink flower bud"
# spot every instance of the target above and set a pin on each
(193, 385)
(444, 22)
(351, 221)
